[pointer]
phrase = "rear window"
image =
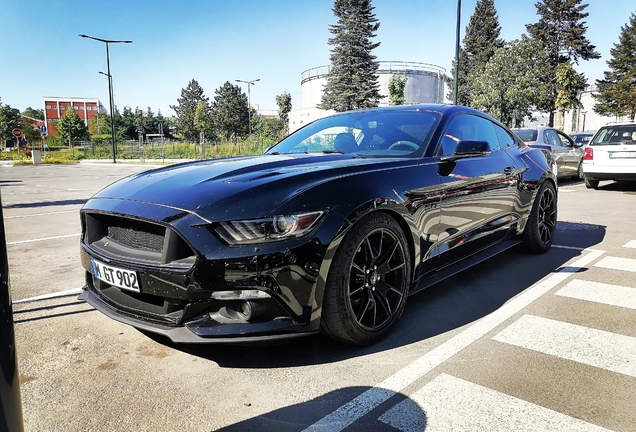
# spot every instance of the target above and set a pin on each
(615, 134)
(527, 135)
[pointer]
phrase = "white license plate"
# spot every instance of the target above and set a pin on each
(124, 279)
(622, 155)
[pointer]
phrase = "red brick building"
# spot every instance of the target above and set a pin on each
(55, 107)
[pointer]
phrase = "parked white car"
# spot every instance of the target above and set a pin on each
(611, 154)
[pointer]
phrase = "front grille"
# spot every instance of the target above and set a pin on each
(143, 240)
(136, 241)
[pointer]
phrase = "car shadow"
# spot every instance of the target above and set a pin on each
(441, 308)
(619, 186)
(47, 203)
(300, 416)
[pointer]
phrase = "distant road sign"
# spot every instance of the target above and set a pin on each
(17, 132)
(43, 129)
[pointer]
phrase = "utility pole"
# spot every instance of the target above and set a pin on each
(249, 102)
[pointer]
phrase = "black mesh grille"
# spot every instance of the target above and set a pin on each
(143, 240)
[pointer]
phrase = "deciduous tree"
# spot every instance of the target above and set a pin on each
(284, 102)
(617, 91)
(510, 86)
(9, 120)
(352, 81)
(71, 128)
(397, 83)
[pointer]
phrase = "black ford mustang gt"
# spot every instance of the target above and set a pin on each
(329, 230)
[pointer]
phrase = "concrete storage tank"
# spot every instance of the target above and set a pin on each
(425, 82)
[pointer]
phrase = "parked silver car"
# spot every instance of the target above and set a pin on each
(567, 154)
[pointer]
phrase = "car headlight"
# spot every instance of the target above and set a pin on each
(270, 229)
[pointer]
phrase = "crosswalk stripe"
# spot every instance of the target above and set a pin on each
(614, 295)
(448, 403)
(606, 350)
(630, 244)
(348, 413)
(615, 263)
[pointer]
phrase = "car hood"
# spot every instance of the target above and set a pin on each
(239, 187)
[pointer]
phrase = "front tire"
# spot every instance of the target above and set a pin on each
(368, 282)
(538, 234)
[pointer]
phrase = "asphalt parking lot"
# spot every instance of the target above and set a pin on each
(81, 371)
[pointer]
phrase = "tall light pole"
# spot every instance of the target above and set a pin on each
(110, 87)
(459, 16)
(584, 114)
(249, 101)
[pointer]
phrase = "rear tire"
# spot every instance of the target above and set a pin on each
(368, 282)
(579, 173)
(590, 184)
(538, 234)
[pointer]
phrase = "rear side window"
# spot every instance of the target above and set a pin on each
(467, 127)
(528, 135)
(615, 134)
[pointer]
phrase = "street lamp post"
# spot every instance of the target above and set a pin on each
(584, 114)
(110, 87)
(456, 83)
(249, 101)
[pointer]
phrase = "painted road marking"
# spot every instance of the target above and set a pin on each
(615, 263)
(53, 295)
(42, 214)
(370, 399)
(42, 239)
(448, 403)
(614, 295)
(630, 244)
(602, 349)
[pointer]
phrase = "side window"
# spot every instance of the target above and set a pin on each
(565, 140)
(505, 140)
(467, 127)
(551, 137)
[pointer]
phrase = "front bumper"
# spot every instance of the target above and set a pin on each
(188, 297)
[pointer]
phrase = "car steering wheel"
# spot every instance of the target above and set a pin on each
(408, 144)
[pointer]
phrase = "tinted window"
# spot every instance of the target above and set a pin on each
(467, 127)
(368, 133)
(527, 135)
(505, 139)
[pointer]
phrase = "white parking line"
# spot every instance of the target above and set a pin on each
(370, 399)
(42, 214)
(49, 296)
(615, 263)
(630, 244)
(602, 349)
(448, 403)
(614, 295)
(42, 239)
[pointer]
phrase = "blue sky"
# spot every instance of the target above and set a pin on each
(215, 41)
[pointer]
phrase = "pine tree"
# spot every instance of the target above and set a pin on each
(479, 45)
(561, 30)
(352, 82)
(230, 111)
(617, 92)
(186, 108)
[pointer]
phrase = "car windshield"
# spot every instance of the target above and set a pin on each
(528, 135)
(581, 139)
(615, 134)
(366, 133)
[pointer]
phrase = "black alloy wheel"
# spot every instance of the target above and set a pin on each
(368, 283)
(538, 234)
